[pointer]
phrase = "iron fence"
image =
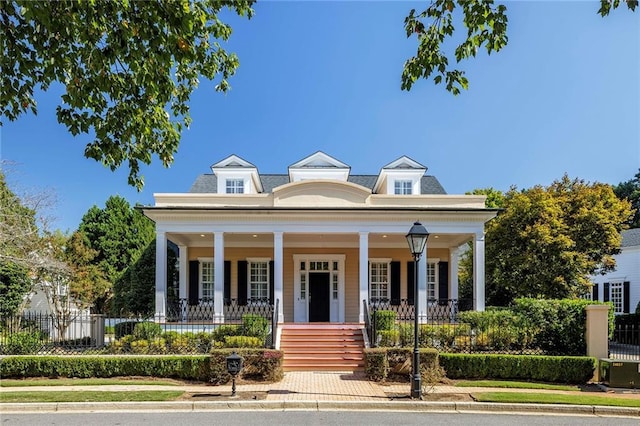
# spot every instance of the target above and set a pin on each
(251, 325)
(625, 342)
(392, 325)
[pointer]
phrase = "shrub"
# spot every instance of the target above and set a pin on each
(124, 328)
(242, 342)
(395, 363)
(226, 330)
(255, 325)
(147, 330)
(376, 364)
(384, 320)
(258, 364)
(23, 343)
(555, 369)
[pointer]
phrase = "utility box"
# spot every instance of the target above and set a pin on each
(617, 373)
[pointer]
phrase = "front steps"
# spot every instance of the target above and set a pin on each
(322, 347)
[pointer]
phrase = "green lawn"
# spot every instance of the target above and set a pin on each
(82, 382)
(552, 398)
(89, 396)
(513, 385)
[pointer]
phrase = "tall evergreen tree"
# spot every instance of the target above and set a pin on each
(630, 191)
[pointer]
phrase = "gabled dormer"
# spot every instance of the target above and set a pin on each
(401, 177)
(237, 176)
(319, 166)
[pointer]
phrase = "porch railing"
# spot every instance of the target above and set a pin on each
(438, 310)
(233, 310)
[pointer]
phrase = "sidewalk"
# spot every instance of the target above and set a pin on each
(313, 390)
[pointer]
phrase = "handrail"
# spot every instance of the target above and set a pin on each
(274, 323)
(367, 323)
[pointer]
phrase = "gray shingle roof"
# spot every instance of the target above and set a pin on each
(631, 237)
(208, 183)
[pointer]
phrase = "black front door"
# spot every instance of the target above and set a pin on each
(319, 297)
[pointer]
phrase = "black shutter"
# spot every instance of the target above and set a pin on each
(443, 283)
(594, 293)
(242, 282)
(271, 281)
(410, 282)
(194, 285)
(625, 297)
(605, 296)
(395, 283)
(227, 282)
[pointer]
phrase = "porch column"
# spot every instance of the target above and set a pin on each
(423, 303)
(161, 276)
(363, 273)
(277, 273)
(182, 279)
(218, 278)
(478, 272)
(454, 253)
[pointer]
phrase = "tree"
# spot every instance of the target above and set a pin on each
(118, 234)
(14, 285)
(630, 191)
(548, 241)
(134, 291)
(128, 69)
(88, 284)
(486, 25)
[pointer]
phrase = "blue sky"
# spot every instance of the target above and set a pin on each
(562, 97)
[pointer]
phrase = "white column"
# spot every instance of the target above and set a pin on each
(422, 288)
(182, 279)
(161, 276)
(363, 273)
(278, 265)
(454, 253)
(218, 278)
(478, 272)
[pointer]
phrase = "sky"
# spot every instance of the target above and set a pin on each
(562, 97)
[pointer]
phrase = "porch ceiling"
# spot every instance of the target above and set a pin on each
(314, 240)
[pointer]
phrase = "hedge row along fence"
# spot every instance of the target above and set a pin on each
(259, 364)
(395, 364)
(530, 326)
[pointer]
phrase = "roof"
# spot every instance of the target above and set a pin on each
(208, 183)
(631, 237)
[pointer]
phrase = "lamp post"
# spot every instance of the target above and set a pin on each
(417, 239)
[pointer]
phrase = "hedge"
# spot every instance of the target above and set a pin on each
(259, 364)
(395, 364)
(555, 369)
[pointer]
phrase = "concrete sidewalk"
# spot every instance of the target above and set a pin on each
(315, 391)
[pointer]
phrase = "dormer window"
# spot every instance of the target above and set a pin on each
(403, 187)
(235, 186)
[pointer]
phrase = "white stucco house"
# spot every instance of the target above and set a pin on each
(622, 286)
(318, 242)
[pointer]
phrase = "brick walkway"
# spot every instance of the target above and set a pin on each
(325, 386)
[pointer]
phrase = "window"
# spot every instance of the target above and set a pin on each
(432, 267)
(235, 186)
(616, 296)
(403, 187)
(206, 279)
(258, 280)
(379, 280)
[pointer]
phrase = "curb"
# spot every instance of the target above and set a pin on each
(434, 406)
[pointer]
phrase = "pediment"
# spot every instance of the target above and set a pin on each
(405, 162)
(320, 193)
(233, 162)
(319, 166)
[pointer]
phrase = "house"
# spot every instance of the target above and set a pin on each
(622, 286)
(318, 243)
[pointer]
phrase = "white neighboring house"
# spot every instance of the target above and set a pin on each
(622, 286)
(68, 322)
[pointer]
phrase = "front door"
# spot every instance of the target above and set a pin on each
(319, 296)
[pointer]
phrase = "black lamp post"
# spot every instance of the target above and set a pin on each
(234, 365)
(417, 239)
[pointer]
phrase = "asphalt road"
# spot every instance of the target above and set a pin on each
(307, 418)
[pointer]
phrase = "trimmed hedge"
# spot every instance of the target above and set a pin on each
(395, 364)
(259, 364)
(555, 369)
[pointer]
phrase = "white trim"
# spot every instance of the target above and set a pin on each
(301, 307)
(380, 261)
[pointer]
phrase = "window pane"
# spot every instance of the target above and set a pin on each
(259, 280)
(379, 280)
(431, 281)
(235, 186)
(206, 277)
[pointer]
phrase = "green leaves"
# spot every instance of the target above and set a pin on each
(128, 69)
(486, 26)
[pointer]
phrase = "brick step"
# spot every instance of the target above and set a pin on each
(322, 332)
(330, 367)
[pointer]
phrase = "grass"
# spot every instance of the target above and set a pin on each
(550, 398)
(89, 396)
(82, 382)
(513, 385)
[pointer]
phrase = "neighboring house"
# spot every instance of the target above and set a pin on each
(317, 241)
(56, 314)
(622, 286)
